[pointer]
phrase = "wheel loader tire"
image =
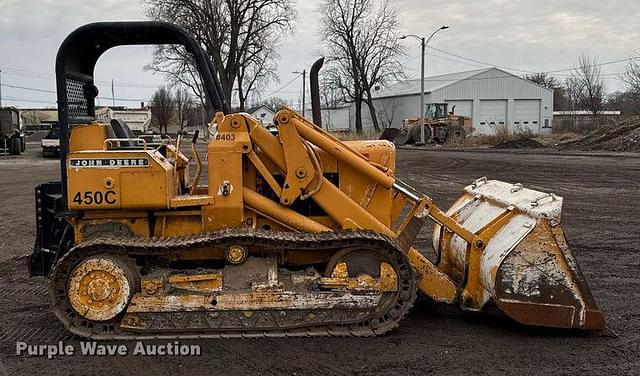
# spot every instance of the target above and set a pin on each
(440, 135)
(415, 133)
(14, 146)
(456, 134)
(18, 147)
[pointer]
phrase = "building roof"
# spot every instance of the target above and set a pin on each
(433, 83)
(253, 110)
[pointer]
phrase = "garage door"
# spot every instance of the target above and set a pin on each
(463, 108)
(526, 115)
(493, 113)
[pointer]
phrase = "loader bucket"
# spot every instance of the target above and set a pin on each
(526, 268)
(389, 134)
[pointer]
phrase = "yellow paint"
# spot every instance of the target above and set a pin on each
(240, 155)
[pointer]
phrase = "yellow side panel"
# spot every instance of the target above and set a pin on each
(178, 225)
(225, 170)
(374, 198)
(88, 137)
(143, 191)
(225, 184)
(118, 180)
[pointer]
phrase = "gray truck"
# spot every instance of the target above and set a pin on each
(12, 141)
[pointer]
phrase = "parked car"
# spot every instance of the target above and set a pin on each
(51, 143)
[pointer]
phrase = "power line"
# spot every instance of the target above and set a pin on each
(53, 92)
(542, 71)
(23, 72)
(465, 60)
(456, 61)
(481, 62)
(28, 100)
(50, 76)
(280, 89)
(631, 58)
(28, 88)
(484, 63)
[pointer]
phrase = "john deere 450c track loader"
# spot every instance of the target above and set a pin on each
(294, 234)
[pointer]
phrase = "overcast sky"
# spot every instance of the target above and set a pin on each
(518, 35)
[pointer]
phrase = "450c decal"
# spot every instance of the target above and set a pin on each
(95, 198)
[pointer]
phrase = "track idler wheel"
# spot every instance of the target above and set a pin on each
(100, 287)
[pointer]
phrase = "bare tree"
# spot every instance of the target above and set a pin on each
(573, 89)
(382, 52)
(331, 95)
(239, 36)
(162, 107)
(387, 112)
(560, 100)
(30, 118)
(183, 108)
(631, 78)
(624, 101)
(543, 79)
(275, 104)
(589, 84)
(179, 68)
(362, 47)
(257, 70)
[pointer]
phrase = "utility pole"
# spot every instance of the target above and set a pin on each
(304, 88)
(113, 95)
(4, 139)
(421, 113)
(423, 46)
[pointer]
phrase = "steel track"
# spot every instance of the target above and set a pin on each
(378, 322)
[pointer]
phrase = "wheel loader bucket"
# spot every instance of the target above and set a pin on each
(526, 267)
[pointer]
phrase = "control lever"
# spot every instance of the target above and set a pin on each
(179, 186)
(196, 156)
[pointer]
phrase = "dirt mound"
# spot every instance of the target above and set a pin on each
(623, 136)
(524, 143)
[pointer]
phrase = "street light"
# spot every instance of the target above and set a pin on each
(424, 44)
(304, 79)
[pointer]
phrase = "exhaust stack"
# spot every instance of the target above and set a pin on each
(315, 92)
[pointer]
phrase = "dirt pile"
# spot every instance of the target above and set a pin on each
(623, 136)
(522, 143)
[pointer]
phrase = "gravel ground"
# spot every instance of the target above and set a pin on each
(600, 219)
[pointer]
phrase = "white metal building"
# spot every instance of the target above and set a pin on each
(263, 114)
(491, 97)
